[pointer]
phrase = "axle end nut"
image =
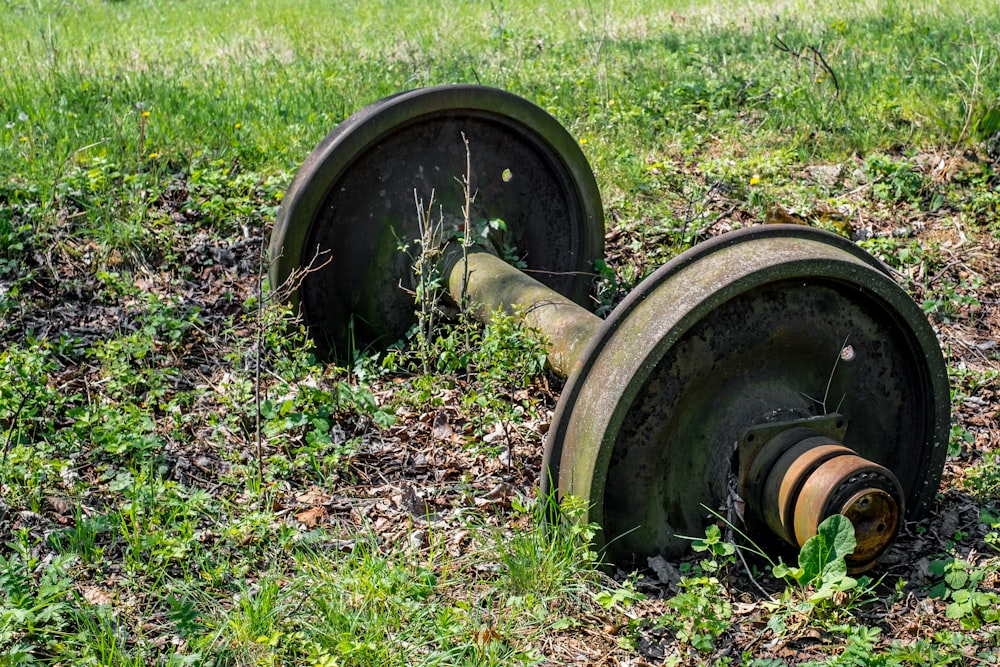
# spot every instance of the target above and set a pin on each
(866, 493)
(816, 478)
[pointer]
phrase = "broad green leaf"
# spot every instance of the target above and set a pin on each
(989, 124)
(954, 610)
(823, 554)
(563, 623)
(782, 571)
(939, 591)
(984, 600)
(384, 418)
(956, 577)
(937, 566)
(960, 596)
(712, 536)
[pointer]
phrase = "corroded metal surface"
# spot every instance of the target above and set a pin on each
(786, 485)
(802, 477)
(850, 483)
(763, 444)
(743, 330)
(877, 516)
(351, 206)
(493, 284)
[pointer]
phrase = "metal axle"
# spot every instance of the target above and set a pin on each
(494, 285)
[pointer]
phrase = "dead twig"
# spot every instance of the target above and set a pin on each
(811, 54)
(293, 282)
(280, 293)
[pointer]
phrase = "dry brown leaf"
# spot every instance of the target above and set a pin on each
(487, 635)
(95, 595)
(442, 429)
(59, 505)
(314, 496)
(665, 572)
(311, 516)
(779, 215)
(456, 543)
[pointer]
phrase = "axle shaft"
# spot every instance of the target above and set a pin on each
(489, 284)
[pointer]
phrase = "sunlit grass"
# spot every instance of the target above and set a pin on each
(262, 82)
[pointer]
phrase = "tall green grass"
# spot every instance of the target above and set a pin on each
(260, 83)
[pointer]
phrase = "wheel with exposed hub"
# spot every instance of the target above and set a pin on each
(771, 324)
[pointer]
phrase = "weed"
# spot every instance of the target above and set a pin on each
(302, 415)
(37, 601)
(719, 552)
(958, 438)
(899, 254)
(495, 363)
(982, 201)
(548, 560)
(983, 478)
(507, 358)
(701, 612)
(949, 301)
(992, 537)
(969, 603)
(229, 198)
(860, 649)
(15, 240)
(26, 399)
(86, 538)
(822, 565)
(428, 287)
(621, 597)
(895, 181)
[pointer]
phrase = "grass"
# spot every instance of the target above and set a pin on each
(180, 483)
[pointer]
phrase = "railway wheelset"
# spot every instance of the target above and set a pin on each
(779, 365)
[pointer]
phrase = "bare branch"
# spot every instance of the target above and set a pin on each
(811, 54)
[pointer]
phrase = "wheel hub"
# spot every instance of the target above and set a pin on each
(801, 477)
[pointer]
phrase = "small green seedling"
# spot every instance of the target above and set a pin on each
(716, 548)
(960, 584)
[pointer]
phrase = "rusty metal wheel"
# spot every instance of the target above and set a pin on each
(763, 325)
(351, 207)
